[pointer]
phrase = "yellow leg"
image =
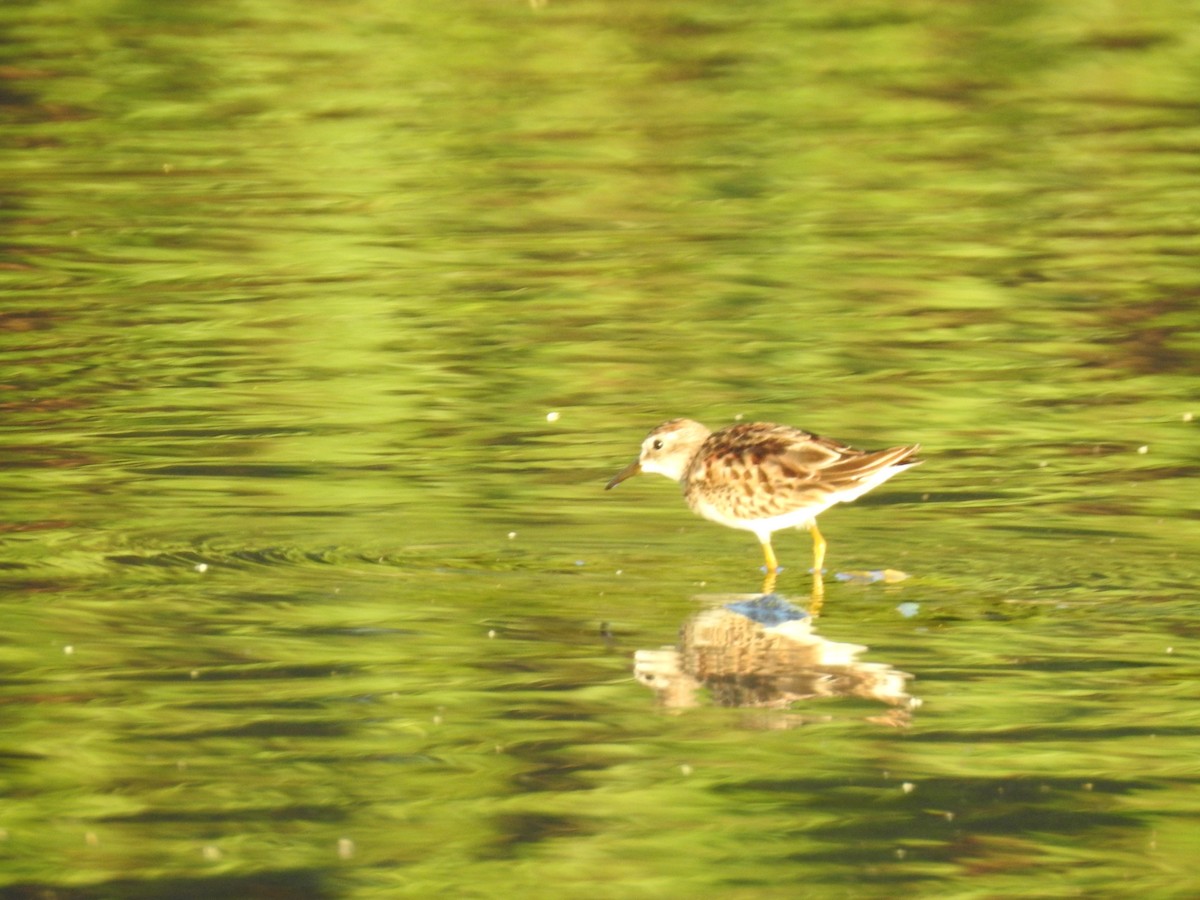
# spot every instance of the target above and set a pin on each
(772, 567)
(818, 549)
(769, 556)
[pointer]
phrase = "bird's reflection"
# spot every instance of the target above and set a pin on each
(760, 651)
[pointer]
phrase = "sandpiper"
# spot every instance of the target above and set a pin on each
(761, 477)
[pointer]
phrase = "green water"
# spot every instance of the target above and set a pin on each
(324, 325)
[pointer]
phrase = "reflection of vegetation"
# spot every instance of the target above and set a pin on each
(741, 661)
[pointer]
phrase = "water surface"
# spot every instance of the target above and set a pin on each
(323, 329)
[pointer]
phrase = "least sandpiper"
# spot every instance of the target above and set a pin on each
(761, 477)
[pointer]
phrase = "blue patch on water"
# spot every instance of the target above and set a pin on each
(768, 610)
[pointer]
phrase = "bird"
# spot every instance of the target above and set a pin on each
(761, 477)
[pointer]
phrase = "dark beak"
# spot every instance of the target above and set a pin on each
(628, 472)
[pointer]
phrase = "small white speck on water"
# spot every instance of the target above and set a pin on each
(512, 535)
(1187, 417)
(211, 852)
(201, 567)
(908, 787)
(345, 848)
(69, 649)
(552, 416)
(1087, 785)
(620, 571)
(1145, 448)
(491, 633)
(685, 769)
(580, 562)
(901, 853)
(194, 674)
(1170, 650)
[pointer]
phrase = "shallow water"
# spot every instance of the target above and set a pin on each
(323, 330)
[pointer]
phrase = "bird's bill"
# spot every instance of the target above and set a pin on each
(628, 472)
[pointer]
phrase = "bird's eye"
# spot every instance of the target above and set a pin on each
(658, 444)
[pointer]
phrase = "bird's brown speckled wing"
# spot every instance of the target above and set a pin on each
(759, 470)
